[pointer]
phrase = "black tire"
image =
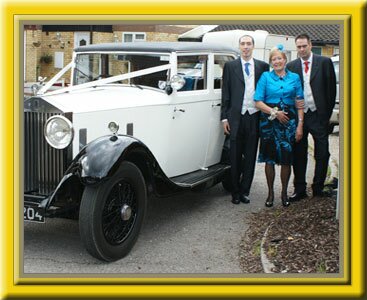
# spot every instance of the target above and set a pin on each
(103, 231)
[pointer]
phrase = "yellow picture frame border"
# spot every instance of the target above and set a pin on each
(351, 284)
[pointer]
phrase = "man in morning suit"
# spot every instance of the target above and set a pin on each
(240, 117)
(319, 85)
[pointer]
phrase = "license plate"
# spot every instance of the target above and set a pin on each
(34, 214)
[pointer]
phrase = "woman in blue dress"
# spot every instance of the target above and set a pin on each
(279, 96)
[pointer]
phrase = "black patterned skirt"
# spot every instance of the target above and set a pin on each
(277, 139)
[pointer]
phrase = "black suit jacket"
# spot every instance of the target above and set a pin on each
(233, 90)
(322, 81)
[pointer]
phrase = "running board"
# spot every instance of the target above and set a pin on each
(198, 177)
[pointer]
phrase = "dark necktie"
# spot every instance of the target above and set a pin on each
(306, 66)
(247, 70)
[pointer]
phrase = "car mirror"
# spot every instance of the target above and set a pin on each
(166, 86)
(169, 89)
(177, 82)
(162, 84)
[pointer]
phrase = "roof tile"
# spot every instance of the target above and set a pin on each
(319, 33)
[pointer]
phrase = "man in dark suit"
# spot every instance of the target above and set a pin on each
(240, 117)
(319, 84)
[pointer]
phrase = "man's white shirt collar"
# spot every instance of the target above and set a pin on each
(251, 61)
(309, 59)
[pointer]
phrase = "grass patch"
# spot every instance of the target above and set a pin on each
(257, 248)
(272, 251)
(321, 267)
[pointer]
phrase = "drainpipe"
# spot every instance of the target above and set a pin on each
(37, 72)
(91, 34)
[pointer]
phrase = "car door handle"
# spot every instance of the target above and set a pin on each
(179, 109)
(214, 105)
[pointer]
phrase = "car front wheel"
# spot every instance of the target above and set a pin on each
(112, 213)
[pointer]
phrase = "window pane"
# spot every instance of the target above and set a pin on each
(140, 37)
(219, 61)
(193, 68)
(128, 37)
(316, 50)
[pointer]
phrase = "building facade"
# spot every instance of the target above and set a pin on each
(48, 48)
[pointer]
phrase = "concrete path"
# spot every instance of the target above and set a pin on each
(195, 233)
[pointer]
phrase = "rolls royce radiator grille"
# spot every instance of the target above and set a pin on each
(44, 165)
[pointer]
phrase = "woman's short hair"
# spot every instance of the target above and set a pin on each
(276, 50)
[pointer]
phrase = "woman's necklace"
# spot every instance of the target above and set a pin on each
(281, 74)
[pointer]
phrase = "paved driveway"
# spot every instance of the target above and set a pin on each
(195, 233)
(191, 233)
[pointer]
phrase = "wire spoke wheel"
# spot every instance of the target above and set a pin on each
(121, 199)
(112, 213)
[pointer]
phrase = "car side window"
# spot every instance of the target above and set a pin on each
(193, 68)
(219, 61)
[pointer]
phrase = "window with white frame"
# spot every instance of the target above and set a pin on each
(317, 50)
(219, 62)
(193, 68)
(128, 37)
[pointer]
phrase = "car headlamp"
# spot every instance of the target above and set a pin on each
(58, 132)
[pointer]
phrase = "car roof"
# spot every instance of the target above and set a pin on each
(161, 47)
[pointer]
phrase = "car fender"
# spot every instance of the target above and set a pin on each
(100, 159)
(96, 159)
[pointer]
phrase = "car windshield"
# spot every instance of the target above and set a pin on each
(95, 66)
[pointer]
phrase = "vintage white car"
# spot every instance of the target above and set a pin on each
(137, 119)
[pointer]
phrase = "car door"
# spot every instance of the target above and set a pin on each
(190, 112)
(216, 134)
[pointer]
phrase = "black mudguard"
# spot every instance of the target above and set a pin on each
(100, 159)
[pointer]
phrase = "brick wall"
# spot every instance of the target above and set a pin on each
(49, 43)
(161, 37)
(102, 37)
(32, 50)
